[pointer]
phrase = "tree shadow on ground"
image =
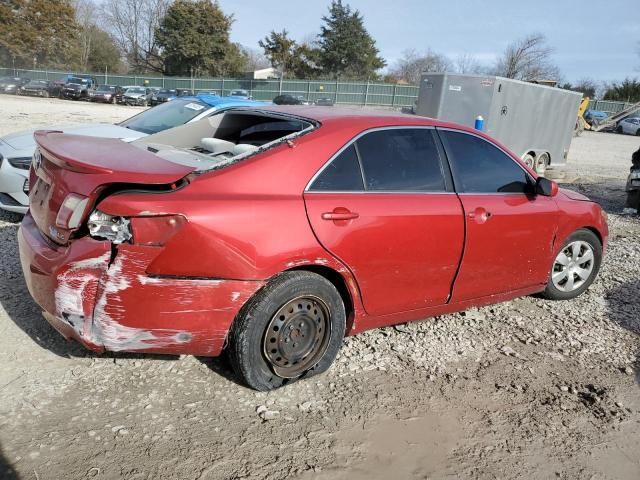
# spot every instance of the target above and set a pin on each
(610, 194)
(622, 303)
(7, 472)
(25, 313)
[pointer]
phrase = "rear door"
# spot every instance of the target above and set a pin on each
(510, 230)
(385, 207)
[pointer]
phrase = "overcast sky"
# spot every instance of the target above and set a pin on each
(596, 39)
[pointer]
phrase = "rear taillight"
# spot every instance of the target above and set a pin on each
(150, 231)
(156, 230)
(108, 227)
(71, 212)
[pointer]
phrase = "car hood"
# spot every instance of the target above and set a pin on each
(24, 143)
(571, 195)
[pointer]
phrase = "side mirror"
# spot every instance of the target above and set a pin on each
(546, 187)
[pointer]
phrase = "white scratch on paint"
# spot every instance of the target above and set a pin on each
(72, 284)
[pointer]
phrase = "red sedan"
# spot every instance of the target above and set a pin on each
(272, 233)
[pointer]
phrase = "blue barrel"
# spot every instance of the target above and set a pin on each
(479, 125)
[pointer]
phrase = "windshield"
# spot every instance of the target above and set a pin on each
(77, 80)
(167, 92)
(136, 90)
(166, 115)
(106, 88)
(37, 83)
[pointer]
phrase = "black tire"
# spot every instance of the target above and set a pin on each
(551, 292)
(638, 132)
(619, 129)
(247, 348)
(633, 199)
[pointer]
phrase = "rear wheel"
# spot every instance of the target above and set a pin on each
(575, 266)
(619, 129)
(638, 132)
(529, 160)
(291, 329)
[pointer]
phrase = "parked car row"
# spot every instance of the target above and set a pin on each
(288, 99)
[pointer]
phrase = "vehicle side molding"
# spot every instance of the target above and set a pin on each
(546, 187)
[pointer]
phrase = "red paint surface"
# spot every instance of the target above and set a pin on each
(402, 257)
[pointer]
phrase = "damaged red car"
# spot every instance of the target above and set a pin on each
(272, 233)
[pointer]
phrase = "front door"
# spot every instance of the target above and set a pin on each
(510, 230)
(385, 208)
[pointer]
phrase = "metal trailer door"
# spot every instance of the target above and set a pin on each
(455, 98)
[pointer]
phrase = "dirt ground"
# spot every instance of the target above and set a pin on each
(525, 389)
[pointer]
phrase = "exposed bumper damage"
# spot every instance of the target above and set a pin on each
(105, 300)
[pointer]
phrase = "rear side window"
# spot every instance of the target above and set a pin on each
(341, 175)
(480, 167)
(401, 159)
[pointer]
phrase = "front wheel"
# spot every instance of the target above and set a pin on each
(575, 266)
(291, 329)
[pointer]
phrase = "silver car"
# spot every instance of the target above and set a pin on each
(630, 125)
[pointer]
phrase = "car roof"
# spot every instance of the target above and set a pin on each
(366, 117)
(215, 101)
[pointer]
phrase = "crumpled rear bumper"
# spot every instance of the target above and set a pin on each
(105, 300)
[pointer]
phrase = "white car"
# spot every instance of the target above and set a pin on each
(16, 149)
(630, 125)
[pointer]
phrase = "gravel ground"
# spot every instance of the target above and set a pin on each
(527, 388)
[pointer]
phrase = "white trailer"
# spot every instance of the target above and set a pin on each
(534, 121)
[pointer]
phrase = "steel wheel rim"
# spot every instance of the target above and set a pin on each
(297, 336)
(573, 266)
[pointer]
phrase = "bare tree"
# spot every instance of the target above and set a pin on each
(85, 14)
(412, 64)
(255, 58)
(467, 63)
(133, 23)
(528, 59)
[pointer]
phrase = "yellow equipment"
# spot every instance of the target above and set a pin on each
(581, 123)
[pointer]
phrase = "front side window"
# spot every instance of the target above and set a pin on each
(401, 159)
(480, 167)
(341, 175)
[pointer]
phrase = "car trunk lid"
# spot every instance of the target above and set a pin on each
(86, 166)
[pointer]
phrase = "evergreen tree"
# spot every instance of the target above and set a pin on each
(279, 49)
(194, 39)
(627, 91)
(346, 48)
(37, 33)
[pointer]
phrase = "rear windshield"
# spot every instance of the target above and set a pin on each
(224, 138)
(167, 91)
(37, 83)
(77, 80)
(164, 116)
(106, 88)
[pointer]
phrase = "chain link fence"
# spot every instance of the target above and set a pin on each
(341, 92)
